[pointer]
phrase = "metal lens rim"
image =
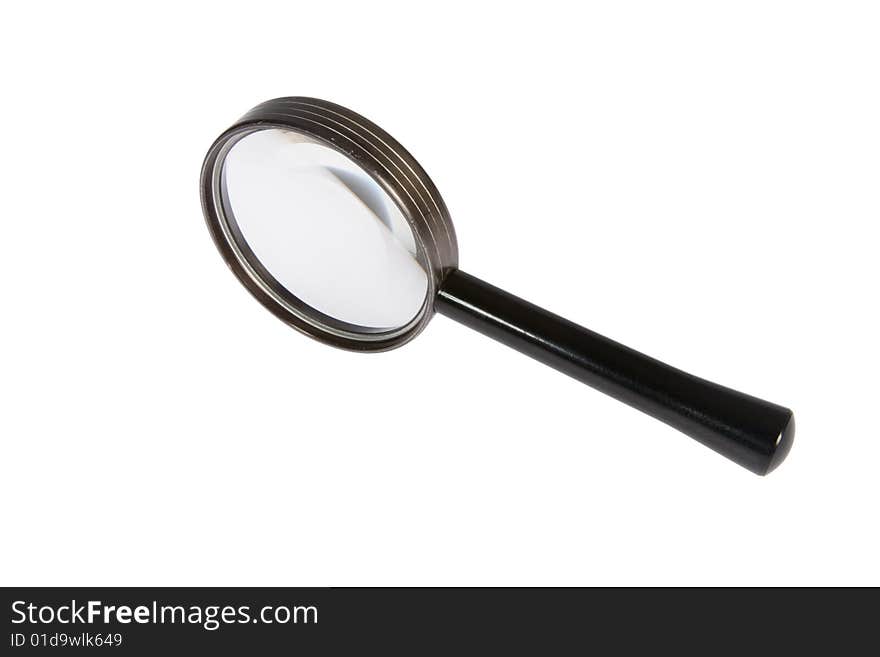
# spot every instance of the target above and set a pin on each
(367, 146)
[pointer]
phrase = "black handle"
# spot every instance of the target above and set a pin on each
(754, 433)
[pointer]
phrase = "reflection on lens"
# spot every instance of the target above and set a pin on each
(323, 229)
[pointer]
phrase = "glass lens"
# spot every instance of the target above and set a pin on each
(323, 229)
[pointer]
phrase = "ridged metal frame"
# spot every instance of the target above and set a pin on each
(387, 162)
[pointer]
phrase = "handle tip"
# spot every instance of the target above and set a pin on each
(783, 445)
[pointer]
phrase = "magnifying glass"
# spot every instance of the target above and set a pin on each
(334, 227)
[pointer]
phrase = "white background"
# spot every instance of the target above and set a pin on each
(696, 180)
